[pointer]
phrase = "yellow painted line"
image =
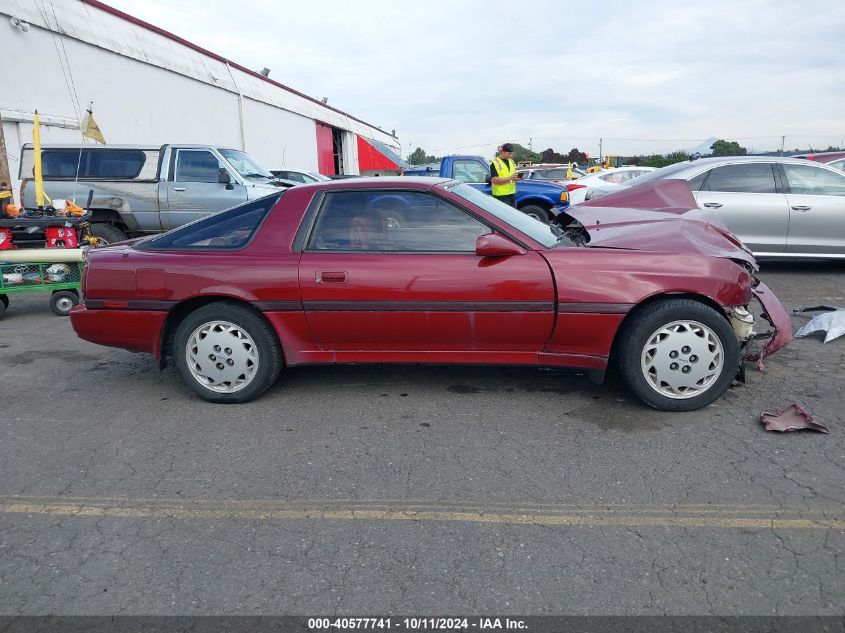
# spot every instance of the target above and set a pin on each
(387, 504)
(269, 514)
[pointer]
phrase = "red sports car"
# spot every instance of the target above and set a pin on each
(424, 270)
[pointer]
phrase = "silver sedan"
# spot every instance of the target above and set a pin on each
(779, 207)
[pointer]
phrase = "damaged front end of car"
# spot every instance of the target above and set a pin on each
(663, 216)
(778, 319)
(775, 336)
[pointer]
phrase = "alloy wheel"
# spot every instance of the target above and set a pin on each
(222, 356)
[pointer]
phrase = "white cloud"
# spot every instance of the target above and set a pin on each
(467, 75)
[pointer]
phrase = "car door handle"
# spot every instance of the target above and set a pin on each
(178, 188)
(712, 205)
(331, 277)
(801, 207)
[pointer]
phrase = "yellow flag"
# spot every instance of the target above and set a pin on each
(36, 153)
(91, 129)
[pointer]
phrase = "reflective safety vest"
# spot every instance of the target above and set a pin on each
(505, 169)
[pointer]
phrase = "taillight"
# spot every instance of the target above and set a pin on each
(572, 186)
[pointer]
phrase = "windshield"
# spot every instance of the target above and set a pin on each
(246, 165)
(534, 229)
(663, 172)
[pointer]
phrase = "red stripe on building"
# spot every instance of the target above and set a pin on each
(325, 150)
(370, 158)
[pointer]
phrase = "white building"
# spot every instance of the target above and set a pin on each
(152, 87)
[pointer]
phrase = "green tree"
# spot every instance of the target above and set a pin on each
(659, 160)
(521, 153)
(419, 157)
(727, 148)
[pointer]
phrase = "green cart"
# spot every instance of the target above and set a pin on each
(63, 280)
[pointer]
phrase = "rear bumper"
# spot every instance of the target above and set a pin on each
(135, 330)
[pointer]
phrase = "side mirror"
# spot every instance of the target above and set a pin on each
(495, 245)
(223, 176)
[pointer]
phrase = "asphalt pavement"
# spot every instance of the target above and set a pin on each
(426, 490)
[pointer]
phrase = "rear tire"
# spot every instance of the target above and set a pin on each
(227, 353)
(536, 212)
(4, 302)
(63, 301)
(107, 234)
(678, 355)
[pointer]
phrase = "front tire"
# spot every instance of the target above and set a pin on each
(227, 353)
(678, 355)
(107, 234)
(536, 212)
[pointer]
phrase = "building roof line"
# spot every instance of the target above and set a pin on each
(181, 40)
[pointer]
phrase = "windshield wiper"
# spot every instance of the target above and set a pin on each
(254, 175)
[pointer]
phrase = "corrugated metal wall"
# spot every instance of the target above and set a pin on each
(148, 88)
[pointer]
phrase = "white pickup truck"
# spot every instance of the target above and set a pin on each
(139, 189)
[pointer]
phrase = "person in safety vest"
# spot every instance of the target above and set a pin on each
(503, 175)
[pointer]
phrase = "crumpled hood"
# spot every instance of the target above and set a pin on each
(673, 224)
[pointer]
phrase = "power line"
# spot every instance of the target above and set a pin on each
(605, 139)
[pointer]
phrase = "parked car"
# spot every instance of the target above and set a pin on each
(606, 178)
(834, 159)
(299, 175)
(141, 189)
(316, 275)
(552, 174)
(778, 207)
(542, 200)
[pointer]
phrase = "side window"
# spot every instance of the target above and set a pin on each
(393, 221)
(838, 164)
(556, 173)
(696, 182)
(619, 177)
(194, 165)
(64, 163)
(229, 229)
(743, 178)
(469, 171)
(98, 163)
(808, 179)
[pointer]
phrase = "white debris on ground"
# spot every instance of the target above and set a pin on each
(833, 323)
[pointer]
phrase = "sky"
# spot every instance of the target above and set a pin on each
(644, 76)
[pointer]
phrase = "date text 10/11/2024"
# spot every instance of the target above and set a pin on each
(416, 624)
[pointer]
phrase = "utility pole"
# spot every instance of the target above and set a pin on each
(600, 157)
(530, 144)
(782, 142)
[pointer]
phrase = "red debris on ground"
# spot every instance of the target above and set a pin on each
(792, 418)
